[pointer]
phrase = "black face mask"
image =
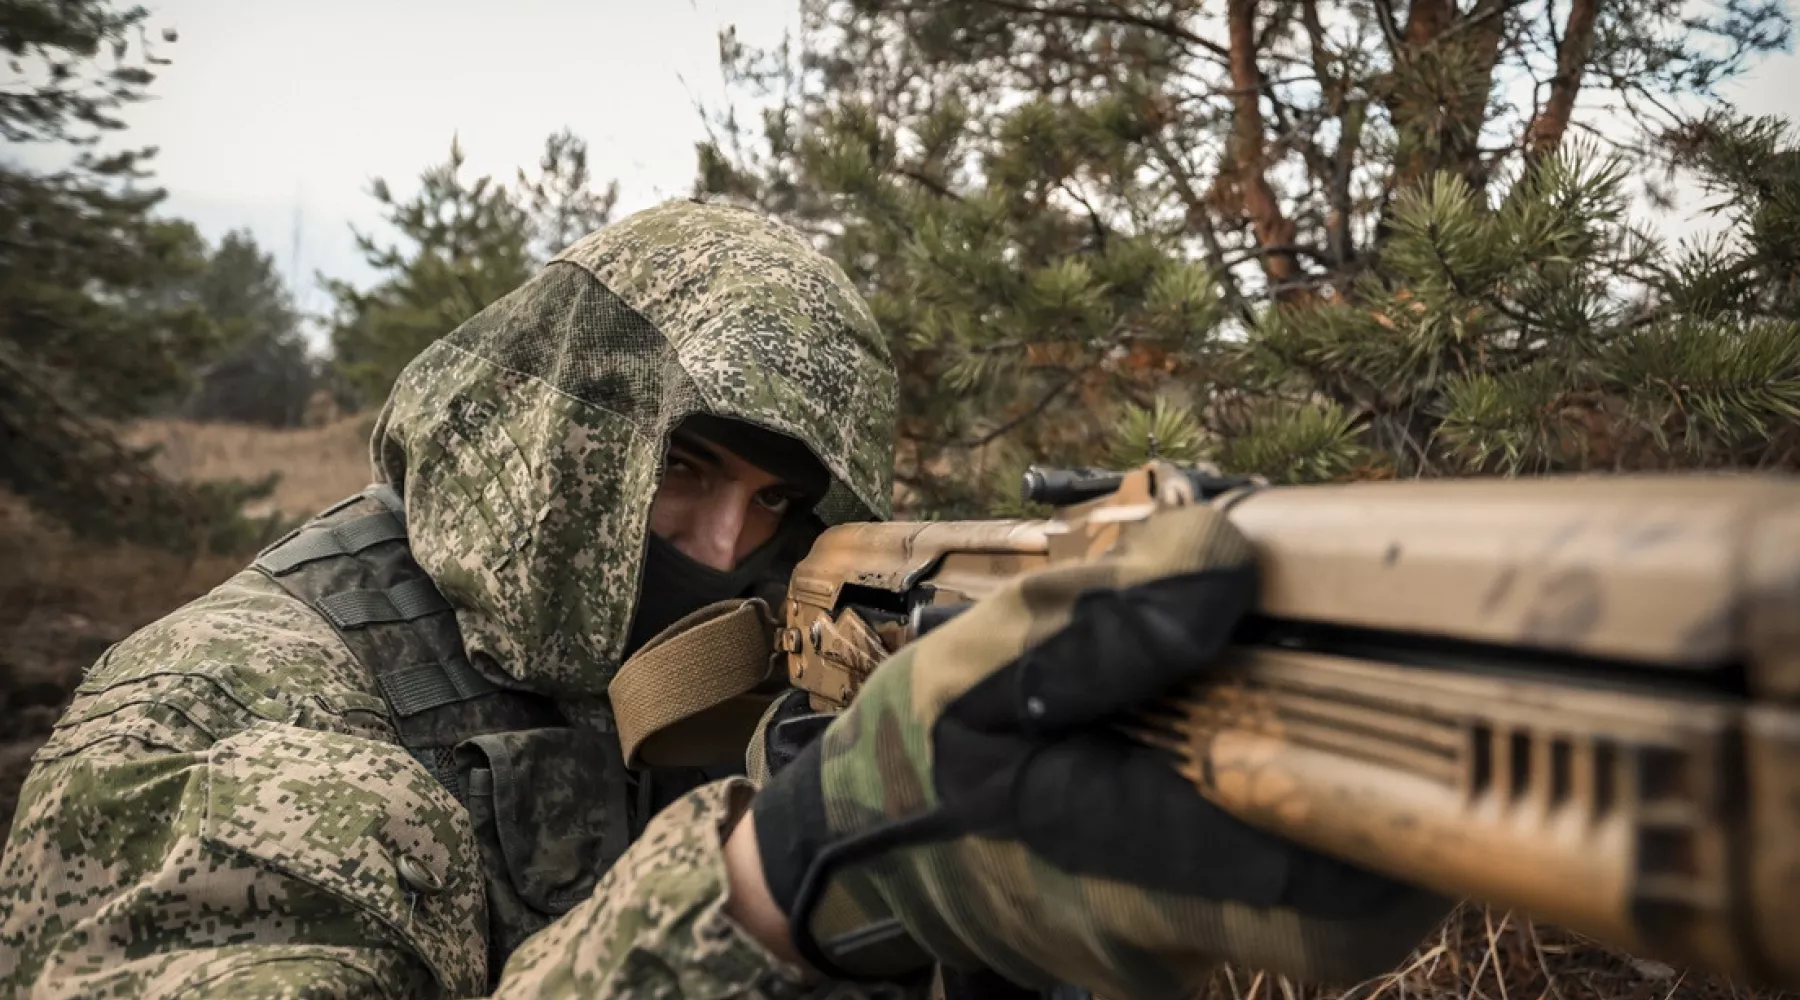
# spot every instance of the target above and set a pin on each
(675, 585)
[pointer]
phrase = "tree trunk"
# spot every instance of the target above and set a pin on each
(1426, 20)
(1248, 155)
(1546, 130)
(1470, 44)
(1337, 170)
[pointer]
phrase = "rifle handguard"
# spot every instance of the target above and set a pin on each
(1575, 696)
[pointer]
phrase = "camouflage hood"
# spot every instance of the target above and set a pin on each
(529, 442)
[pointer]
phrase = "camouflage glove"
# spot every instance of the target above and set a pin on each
(974, 806)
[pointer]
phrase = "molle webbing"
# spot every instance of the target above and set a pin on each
(352, 565)
(424, 686)
(403, 602)
(345, 539)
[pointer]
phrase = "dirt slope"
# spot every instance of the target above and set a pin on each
(64, 599)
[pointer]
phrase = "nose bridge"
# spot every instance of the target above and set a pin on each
(721, 527)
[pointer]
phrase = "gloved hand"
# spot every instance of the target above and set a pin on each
(974, 806)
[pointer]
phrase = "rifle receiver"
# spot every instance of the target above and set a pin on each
(1574, 696)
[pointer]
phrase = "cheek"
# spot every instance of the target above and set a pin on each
(670, 511)
(760, 525)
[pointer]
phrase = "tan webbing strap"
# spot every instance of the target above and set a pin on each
(687, 698)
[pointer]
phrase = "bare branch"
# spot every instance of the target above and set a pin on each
(1290, 249)
(1199, 221)
(1095, 226)
(1390, 28)
(928, 182)
(1043, 403)
(1350, 116)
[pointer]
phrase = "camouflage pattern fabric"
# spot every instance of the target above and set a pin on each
(225, 808)
(983, 884)
(656, 927)
(528, 443)
(223, 811)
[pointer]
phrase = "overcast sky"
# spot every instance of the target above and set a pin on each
(275, 116)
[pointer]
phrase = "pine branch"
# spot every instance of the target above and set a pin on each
(1308, 443)
(928, 183)
(1448, 273)
(1161, 430)
(1008, 426)
(1167, 28)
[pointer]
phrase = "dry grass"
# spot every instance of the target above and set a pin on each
(318, 465)
(64, 599)
(1486, 954)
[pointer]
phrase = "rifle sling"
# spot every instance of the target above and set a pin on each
(688, 697)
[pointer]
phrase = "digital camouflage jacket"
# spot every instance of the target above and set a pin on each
(228, 807)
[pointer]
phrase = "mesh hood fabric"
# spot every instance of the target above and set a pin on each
(529, 441)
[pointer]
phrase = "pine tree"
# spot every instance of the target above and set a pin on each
(1306, 239)
(1541, 333)
(1325, 231)
(561, 202)
(98, 317)
(467, 244)
(269, 377)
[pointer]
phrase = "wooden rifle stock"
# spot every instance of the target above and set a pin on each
(1578, 697)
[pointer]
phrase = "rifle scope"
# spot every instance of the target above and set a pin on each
(1062, 487)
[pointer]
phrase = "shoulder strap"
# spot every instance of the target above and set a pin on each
(689, 697)
(352, 564)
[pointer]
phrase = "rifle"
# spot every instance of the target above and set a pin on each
(1577, 697)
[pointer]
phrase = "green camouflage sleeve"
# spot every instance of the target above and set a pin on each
(140, 877)
(260, 866)
(656, 924)
(171, 843)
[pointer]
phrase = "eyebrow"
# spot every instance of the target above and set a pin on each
(708, 453)
(696, 448)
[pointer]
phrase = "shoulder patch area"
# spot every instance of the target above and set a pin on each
(363, 822)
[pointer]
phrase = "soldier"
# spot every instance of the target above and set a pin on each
(382, 761)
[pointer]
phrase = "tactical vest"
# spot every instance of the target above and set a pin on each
(553, 805)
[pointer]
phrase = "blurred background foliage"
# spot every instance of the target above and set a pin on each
(1310, 240)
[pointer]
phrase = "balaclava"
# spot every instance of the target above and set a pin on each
(675, 585)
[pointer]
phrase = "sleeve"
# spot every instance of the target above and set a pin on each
(276, 862)
(656, 925)
(284, 862)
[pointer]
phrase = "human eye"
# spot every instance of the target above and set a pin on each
(774, 500)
